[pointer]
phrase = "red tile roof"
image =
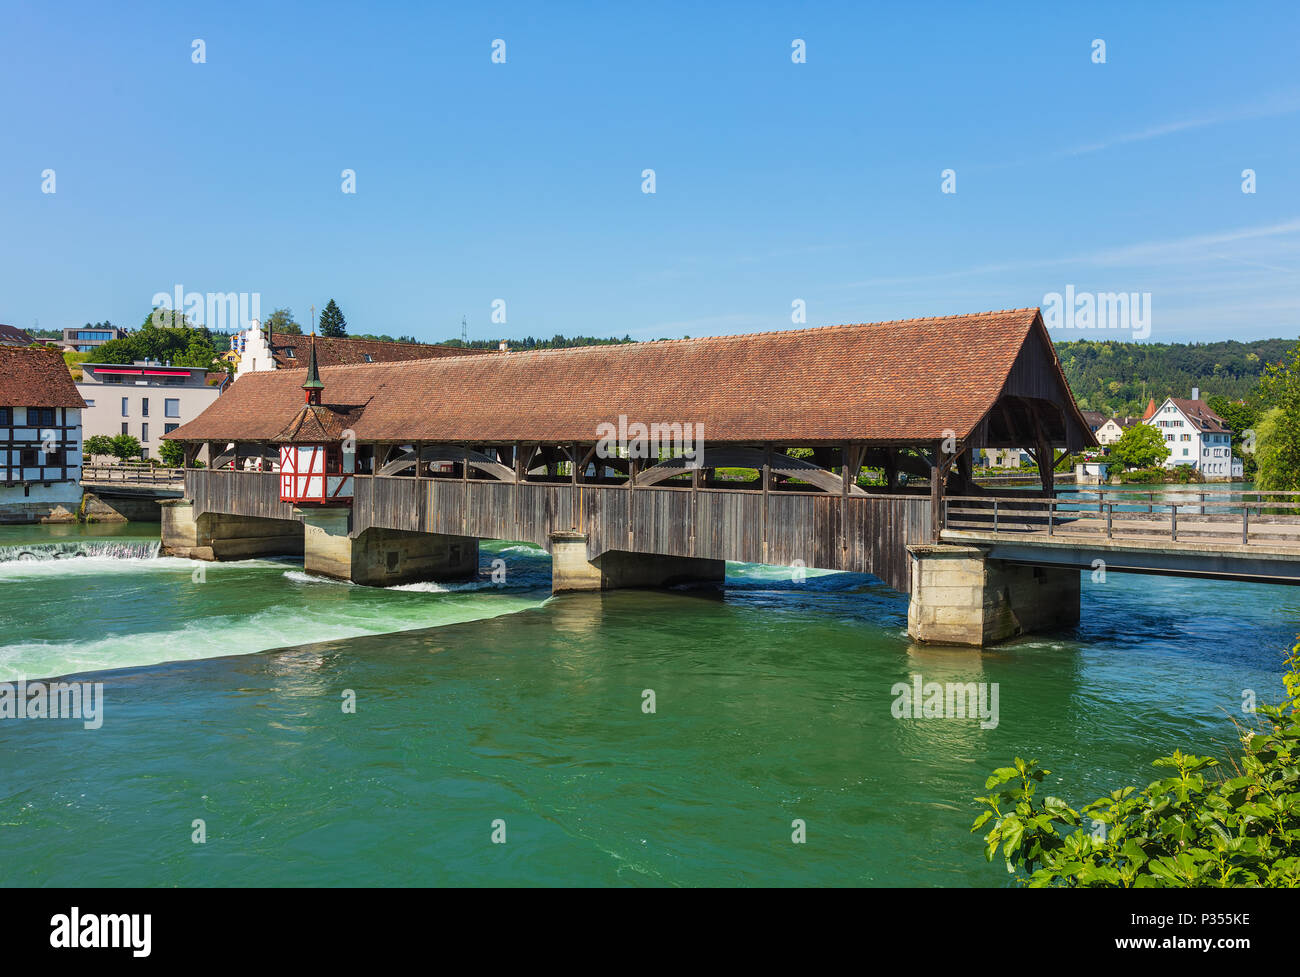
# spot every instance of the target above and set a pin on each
(339, 351)
(895, 382)
(13, 336)
(36, 377)
(316, 423)
(1199, 413)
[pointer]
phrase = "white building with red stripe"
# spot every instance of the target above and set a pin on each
(145, 399)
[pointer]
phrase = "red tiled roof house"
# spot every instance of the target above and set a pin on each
(40, 437)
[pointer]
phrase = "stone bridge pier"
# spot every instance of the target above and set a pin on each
(571, 570)
(221, 536)
(959, 596)
(382, 557)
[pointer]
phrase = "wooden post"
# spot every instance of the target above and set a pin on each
(937, 476)
(766, 479)
(695, 506)
(576, 513)
(846, 468)
(1045, 456)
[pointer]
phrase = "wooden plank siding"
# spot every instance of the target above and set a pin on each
(238, 493)
(862, 534)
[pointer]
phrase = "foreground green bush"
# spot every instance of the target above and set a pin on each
(1186, 829)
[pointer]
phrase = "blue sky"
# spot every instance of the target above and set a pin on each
(775, 181)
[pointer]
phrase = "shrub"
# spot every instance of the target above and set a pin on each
(1186, 829)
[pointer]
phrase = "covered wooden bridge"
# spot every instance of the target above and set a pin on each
(646, 462)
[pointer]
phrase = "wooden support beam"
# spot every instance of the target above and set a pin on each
(1044, 455)
(767, 480)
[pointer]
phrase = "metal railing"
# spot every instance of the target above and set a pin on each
(132, 475)
(1273, 518)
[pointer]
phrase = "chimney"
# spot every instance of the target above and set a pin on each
(1196, 393)
(503, 347)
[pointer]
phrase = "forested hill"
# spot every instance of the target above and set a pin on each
(1120, 378)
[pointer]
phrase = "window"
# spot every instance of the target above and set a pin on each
(125, 428)
(125, 410)
(144, 433)
(53, 459)
(27, 458)
(111, 378)
(172, 407)
(40, 416)
(333, 458)
(6, 416)
(289, 354)
(144, 406)
(89, 403)
(169, 428)
(369, 358)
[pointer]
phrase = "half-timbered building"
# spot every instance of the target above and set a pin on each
(40, 437)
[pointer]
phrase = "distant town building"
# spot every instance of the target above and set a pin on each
(1095, 419)
(85, 338)
(258, 352)
(1195, 436)
(40, 437)
(1113, 429)
(13, 336)
(1004, 457)
(145, 399)
(1091, 472)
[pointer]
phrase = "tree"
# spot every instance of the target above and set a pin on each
(176, 341)
(1241, 416)
(98, 444)
(1277, 452)
(1141, 446)
(125, 447)
(332, 322)
(1277, 436)
(281, 321)
(171, 454)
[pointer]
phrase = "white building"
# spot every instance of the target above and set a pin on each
(1113, 429)
(40, 437)
(259, 350)
(144, 399)
(1004, 457)
(1196, 436)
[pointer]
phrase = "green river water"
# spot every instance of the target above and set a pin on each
(478, 703)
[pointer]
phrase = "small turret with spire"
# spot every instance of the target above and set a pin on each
(312, 385)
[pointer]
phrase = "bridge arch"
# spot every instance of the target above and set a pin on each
(756, 458)
(451, 453)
